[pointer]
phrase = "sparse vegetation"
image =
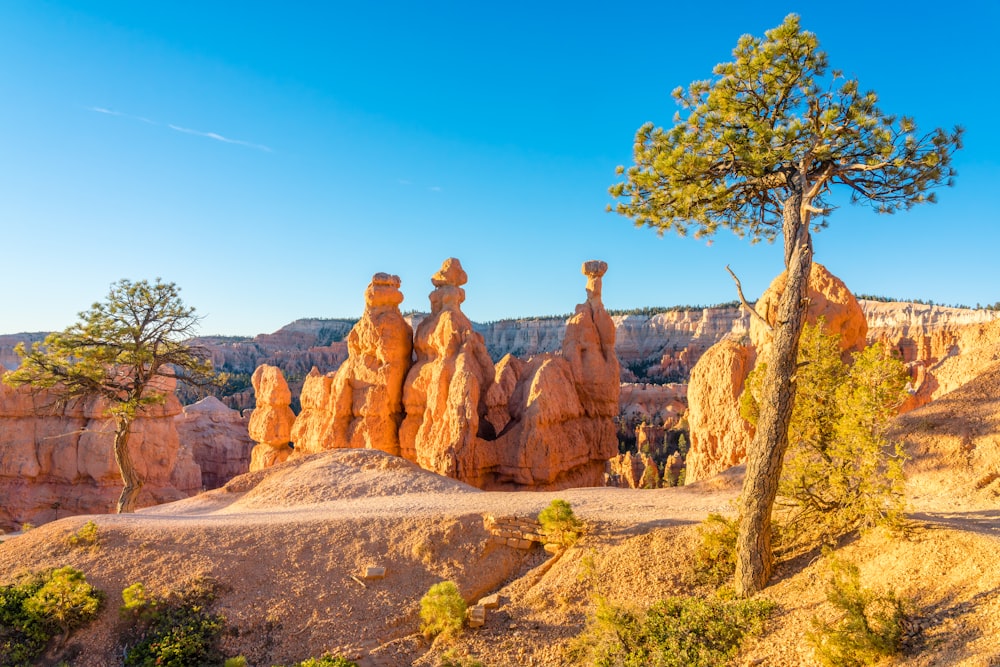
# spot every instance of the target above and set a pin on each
(326, 661)
(715, 551)
(85, 537)
(675, 632)
(442, 610)
(870, 625)
(559, 523)
(840, 472)
(175, 630)
(36, 608)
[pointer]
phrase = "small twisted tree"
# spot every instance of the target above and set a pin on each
(758, 149)
(120, 351)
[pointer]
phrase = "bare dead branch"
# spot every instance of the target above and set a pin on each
(753, 313)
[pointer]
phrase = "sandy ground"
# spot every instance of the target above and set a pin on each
(286, 544)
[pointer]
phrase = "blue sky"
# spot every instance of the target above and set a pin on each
(270, 157)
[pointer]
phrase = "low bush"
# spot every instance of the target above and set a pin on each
(85, 537)
(176, 630)
(39, 606)
(715, 551)
(675, 632)
(442, 610)
(559, 523)
(869, 627)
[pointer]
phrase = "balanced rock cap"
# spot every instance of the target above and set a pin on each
(451, 273)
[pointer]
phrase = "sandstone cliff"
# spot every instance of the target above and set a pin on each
(544, 423)
(218, 439)
(56, 461)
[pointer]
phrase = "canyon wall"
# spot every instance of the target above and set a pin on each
(58, 460)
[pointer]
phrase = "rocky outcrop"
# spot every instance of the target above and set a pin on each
(719, 435)
(666, 346)
(543, 423)
(361, 405)
(57, 460)
(560, 432)
(829, 299)
(271, 422)
(217, 438)
(661, 404)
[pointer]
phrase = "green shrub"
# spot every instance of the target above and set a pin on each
(715, 551)
(238, 661)
(675, 632)
(559, 523)
(870, 626)
(37, 607)
(174, 631)
(136, 602)
(442, 610)
(325, 661)
(840, 472)
(85, 537)
(22, 634)
(451, 658)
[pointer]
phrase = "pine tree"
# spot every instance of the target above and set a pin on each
(757, 149)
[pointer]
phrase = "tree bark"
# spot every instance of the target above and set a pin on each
(123, 457)
(754, 558)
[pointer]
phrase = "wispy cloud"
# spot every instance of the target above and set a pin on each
(186, 130)
(435, 188)
(218, 137)
(111, 112)
(404, 181)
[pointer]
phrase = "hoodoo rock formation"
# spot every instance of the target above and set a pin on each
(58, 460)
(560, 431)
(271, 422)
(361, 405)
(719, 435)
(542, 423)
(445, 392)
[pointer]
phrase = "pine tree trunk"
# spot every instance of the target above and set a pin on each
(754, 557)
(131, 479)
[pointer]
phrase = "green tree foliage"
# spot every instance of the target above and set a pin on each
(715, 551)
(559, 523)
(85, 537)
(442, 610)
(36, 608)
(675, 632)
(121, 351)
(758, 149)
(176, 630)
(840, 473)
(869, 627)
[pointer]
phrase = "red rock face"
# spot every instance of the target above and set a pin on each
(829, 298)
(59, 461)
(719, 436)
(445, 395)
(217, 438)
(554, 415)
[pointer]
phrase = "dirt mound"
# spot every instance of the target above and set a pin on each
(954, 445)
(336, 475)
